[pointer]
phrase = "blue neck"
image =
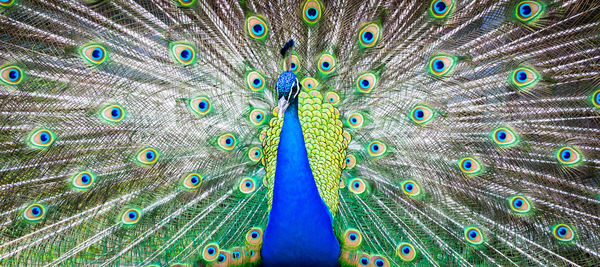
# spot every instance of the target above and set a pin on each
(300, 225)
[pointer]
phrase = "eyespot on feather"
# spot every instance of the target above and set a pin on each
(406, 252)
(441, 65)
(257, 27)
(411, 188)
(474, 236)
(147, 156)
(257, 117)
(470, 166)
(421, 115)
(210, 252)
(312, 11)
(34, 212)
(83, 180)
(183, 53)
(255, 154)
(529, 11)
(191, 181)
(369, 35)
(11, 75)
(247, 185)
(254, 237)
(519, 204)
(563, 232)
(326, 64)
(357, 186)
(569, 156)
(366, 82)
(255, 81)
(41, 138)
(441, 9)
(352, 238)
(112, 113)
(309, 83)
(200, 105)
(376, 149)
(94, 53)
(131, 216)
(504, 137)
(227, 142)
(524, 78)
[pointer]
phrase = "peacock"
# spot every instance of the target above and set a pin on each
(299, 133)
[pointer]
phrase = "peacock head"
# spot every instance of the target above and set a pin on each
(288, 88)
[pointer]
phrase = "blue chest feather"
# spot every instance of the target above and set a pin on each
(300, 225)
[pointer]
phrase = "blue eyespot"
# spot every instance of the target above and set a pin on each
(185, 54)
(440, 7)
(221, 258)
(562, 231)
(438, 65)
(312, 13)
(364, 83)
(406, 250)
(258, 29)
(356, 184)
(257, 82)
(352, 236)
(150, 155)
(115, 113)
(132, 215)
(518, 203)
(473, 234)
(419, 114)
(467, 164)
(566, 155)
(13, 75)
(521, 76)
(501, 135)
(364, 261)
(408, 187)
(325, 65)
(211, 251)
(85, 178)
(97, 53)
(44, 137)
(525, 10)
(228, 140)
(368, 36)
(375, 147)
(36, 211)
(379, 262)
(293, 66)
(254, 234)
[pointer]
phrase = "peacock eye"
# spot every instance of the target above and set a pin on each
(563, 232)
(211, 252)
(247, 185)
(94, 53)
(519, 204)
(311, 11)
(309, 83)
(332, 98)
(504, 137)
(255, 80)
(41, 138)
(406, 252)
(254, 237)
(83, 180)
(191, 180)
(470, 166)
(357, 186)
(34, 212)
(200, 105)
(376, 148)
(326, 64)
(369, 34)
(380, 261)
(112, 113)
(255, 154)
(524, 77)
(257, 27)
(11, 75)
(440, 9)
(350, 162)
(364, 261)
(568, 156)
(366, 82)
(227, 141)
(131, 216)
(474, 236)
(147, 156)
(528, 11)
(411, 188)
(421, 114)
(183, 53)
(257, 117)
(441, 65)
(355, 120)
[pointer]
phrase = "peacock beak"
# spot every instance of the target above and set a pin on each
(282, 105)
